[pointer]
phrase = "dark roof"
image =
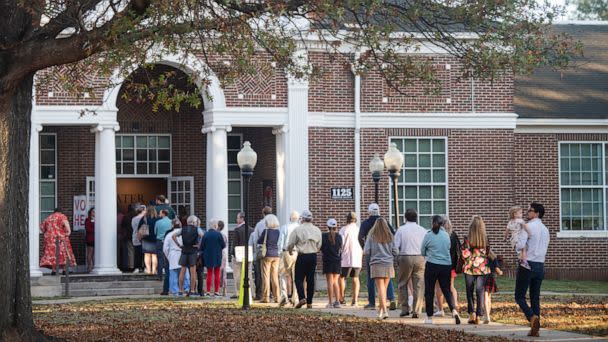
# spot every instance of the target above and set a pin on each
(581, 93)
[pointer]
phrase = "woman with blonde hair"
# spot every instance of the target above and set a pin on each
(269, 240)
(381, 252)
(475, 267)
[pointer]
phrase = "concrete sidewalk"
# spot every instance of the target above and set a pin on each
(510, 331)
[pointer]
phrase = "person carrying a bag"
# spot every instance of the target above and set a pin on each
(269, 253)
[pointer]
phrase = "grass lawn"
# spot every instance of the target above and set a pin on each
(573, 310)
(196, 320)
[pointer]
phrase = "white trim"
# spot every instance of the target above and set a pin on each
(73, 115)
(40, 179)
(135, 161)
(583, 234)
(189, 179)
(246, 117)
(414, 120)
(528, 125)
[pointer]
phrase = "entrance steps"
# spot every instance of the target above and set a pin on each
(103, 285)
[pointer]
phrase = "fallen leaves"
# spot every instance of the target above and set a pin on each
(192, 320)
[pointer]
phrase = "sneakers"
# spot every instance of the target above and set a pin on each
(393, 306)
(164, 293)
(473, 319)
(404, 313)
(486, 319)
(439, 313)
(370, 307)
(309, 306)
(329, 306)
(283, 302)
(382, 314)
(428, 320)
(524, 264)
(534, 326)
(337, 305)
(300, 303)
(456, 316)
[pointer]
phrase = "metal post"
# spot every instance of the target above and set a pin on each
(376, 178)
(394, 176)
(67, 270)
(247, 177)
(57, 256)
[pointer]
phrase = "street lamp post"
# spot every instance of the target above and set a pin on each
(246, 158)
(393, 159)
(376, 166)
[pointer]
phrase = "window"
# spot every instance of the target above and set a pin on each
(181, 195)
(423, 181)
(583, 186)
(48, 174)
(143, 154)
(235, 142)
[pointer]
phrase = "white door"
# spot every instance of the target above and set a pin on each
(90, 192)
(181, 195)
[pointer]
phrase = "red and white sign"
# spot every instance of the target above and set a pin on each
(80, 212)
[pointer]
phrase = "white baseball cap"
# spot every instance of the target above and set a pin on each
(331, 223)
(373, 208)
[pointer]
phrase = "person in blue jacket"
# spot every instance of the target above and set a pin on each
(211, 248)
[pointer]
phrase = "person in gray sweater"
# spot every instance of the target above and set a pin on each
(381, 251)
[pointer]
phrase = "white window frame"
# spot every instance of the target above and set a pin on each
(231, 226)
(390, 183)
(137, 175)
(583, 233)
(169, 190)
(40, 179)
(90, 192)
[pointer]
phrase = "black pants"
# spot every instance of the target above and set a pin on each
(139, 257)
(306, 264)
(532, 280)
(257, 278)
(432, 274)
(476, 285)
(200, 270)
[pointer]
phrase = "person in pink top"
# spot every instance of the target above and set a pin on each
(352, 257)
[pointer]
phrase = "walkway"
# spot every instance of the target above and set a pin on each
(510, 331)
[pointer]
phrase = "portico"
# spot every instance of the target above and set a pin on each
(288, 124)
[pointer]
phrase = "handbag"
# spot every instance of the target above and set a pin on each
(144, 230)
(262, 250)
(460, 261)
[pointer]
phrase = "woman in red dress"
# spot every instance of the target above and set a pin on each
(56, 226)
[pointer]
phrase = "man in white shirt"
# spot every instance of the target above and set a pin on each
(536, 243)
(287, 264)
(408, 241)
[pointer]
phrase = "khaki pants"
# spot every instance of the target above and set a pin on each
(411, 267)
(287, 268)
(270, 277)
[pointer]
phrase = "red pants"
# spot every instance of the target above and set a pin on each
(215, 273)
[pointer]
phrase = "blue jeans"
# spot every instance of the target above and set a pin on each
(475, 285)
(163, 266)
(529, 279)
(174, 281)
(371, 287)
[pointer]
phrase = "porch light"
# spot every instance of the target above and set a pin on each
(393, 159)
(247, 158)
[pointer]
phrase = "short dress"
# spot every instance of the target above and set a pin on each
(332, 254)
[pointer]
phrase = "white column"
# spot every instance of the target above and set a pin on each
(105, 200)
(217, 173)
(283, 208)
(34, 201)
(296, 152)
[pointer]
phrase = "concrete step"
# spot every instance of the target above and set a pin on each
(45, 281)
(114, 292)
(108, 278)
(114, 284)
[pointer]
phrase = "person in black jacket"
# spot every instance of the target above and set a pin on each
(331, 247)
(240, 239)
(366, 226)
(455, 252)
(189, 246)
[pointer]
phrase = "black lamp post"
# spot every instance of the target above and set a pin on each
(376, 166)
(393, 159)
(246, 158)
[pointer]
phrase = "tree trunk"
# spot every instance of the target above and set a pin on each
(15, 300)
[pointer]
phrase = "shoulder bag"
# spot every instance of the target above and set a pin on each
(262, 250)
(144, 229)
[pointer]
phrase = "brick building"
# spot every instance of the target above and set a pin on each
(476, 147)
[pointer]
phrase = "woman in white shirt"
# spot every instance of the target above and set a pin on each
(352, 258)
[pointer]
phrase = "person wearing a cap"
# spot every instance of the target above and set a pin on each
(257, 263)
(366, 226)
(307, 239)
(287, 264)
(331, 247)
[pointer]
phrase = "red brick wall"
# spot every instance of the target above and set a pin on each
(49, 80)
(332, 90)
(536, 179)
